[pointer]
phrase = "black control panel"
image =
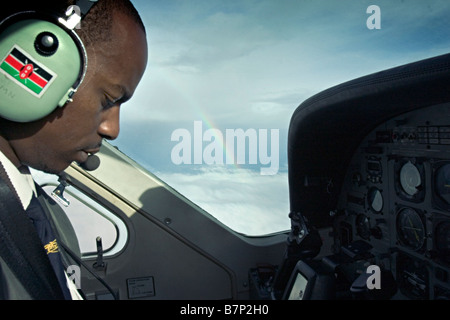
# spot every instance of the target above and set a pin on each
(396, 200)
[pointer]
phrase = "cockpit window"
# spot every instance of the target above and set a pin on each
(93, 223)
(211, 115)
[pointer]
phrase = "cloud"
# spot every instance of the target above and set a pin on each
(249, 64)
(240, 198)
(222, 58)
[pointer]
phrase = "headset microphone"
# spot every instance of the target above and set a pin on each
(92, 163)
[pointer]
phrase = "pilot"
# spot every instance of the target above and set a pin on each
(115, 43)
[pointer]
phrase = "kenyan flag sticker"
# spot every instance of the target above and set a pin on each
(33, 77)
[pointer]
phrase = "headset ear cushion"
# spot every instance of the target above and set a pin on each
(41, 66)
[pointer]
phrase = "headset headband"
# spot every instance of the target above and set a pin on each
(85, 6)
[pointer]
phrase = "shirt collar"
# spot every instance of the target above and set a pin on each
(21, 179)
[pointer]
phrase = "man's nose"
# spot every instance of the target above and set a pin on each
(110, 126)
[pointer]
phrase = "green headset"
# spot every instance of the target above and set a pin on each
(43, 62)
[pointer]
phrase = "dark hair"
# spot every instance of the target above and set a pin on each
(96, 26)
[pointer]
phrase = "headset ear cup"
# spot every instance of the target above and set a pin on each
(41, 66)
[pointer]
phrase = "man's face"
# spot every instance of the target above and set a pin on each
(72, 132)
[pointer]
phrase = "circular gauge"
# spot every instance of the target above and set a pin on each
(410, 178)
(442, 183)
(375, 200)
(410, 228)
(362, 226)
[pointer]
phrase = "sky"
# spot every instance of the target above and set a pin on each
(223, 67)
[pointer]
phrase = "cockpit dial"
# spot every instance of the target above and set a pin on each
(410, 228)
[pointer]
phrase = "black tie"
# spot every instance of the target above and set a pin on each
(48, 238)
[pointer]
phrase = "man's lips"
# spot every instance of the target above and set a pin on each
(93, 148)
(91, 151)
(83, 154)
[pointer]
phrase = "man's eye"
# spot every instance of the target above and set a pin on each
(108, 101)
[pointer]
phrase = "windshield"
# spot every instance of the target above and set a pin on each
(211, 115)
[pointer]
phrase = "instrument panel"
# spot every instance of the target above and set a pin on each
(396, 199)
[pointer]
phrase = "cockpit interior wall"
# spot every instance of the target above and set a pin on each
(369, 161)
(325, 129)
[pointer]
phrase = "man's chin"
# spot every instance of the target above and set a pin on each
(54, 169)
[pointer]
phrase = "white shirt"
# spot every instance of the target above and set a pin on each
(22, 182)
